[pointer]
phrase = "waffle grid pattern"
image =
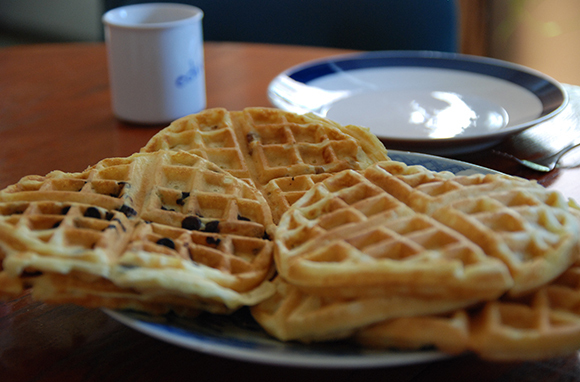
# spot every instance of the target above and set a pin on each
(283, 154)
(146, 216)
(517, 221)
(373, 244)
(329, 244)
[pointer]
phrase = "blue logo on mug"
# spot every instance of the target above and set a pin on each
(190, 75)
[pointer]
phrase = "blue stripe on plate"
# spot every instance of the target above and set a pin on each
(549, 94)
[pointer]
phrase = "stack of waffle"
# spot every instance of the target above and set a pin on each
(397, 256)
(186, 225)
(313, 227)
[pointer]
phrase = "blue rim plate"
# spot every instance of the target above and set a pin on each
(426, 101)
(239, 337)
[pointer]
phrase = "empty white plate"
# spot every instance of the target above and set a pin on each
(423, 101)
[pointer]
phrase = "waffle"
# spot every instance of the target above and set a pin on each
(293, 315)
(90, 292)
(501, 248)
(282, 153)
(425, 191)
(210, 134)
(347, 237)
(529, 228)
(448, 332)
(543, 324)
(154, 230)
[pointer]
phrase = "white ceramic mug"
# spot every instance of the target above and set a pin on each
(156, 64)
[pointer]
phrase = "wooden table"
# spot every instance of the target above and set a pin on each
(55, 114)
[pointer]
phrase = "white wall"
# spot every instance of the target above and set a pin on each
(73, 20)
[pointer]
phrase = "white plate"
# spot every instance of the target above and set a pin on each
(239, 337)
(423, 101)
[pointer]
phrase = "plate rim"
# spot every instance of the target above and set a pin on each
(443, 60)
(309, 360)
(285, 359)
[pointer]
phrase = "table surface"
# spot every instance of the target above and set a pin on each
(55, 114)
